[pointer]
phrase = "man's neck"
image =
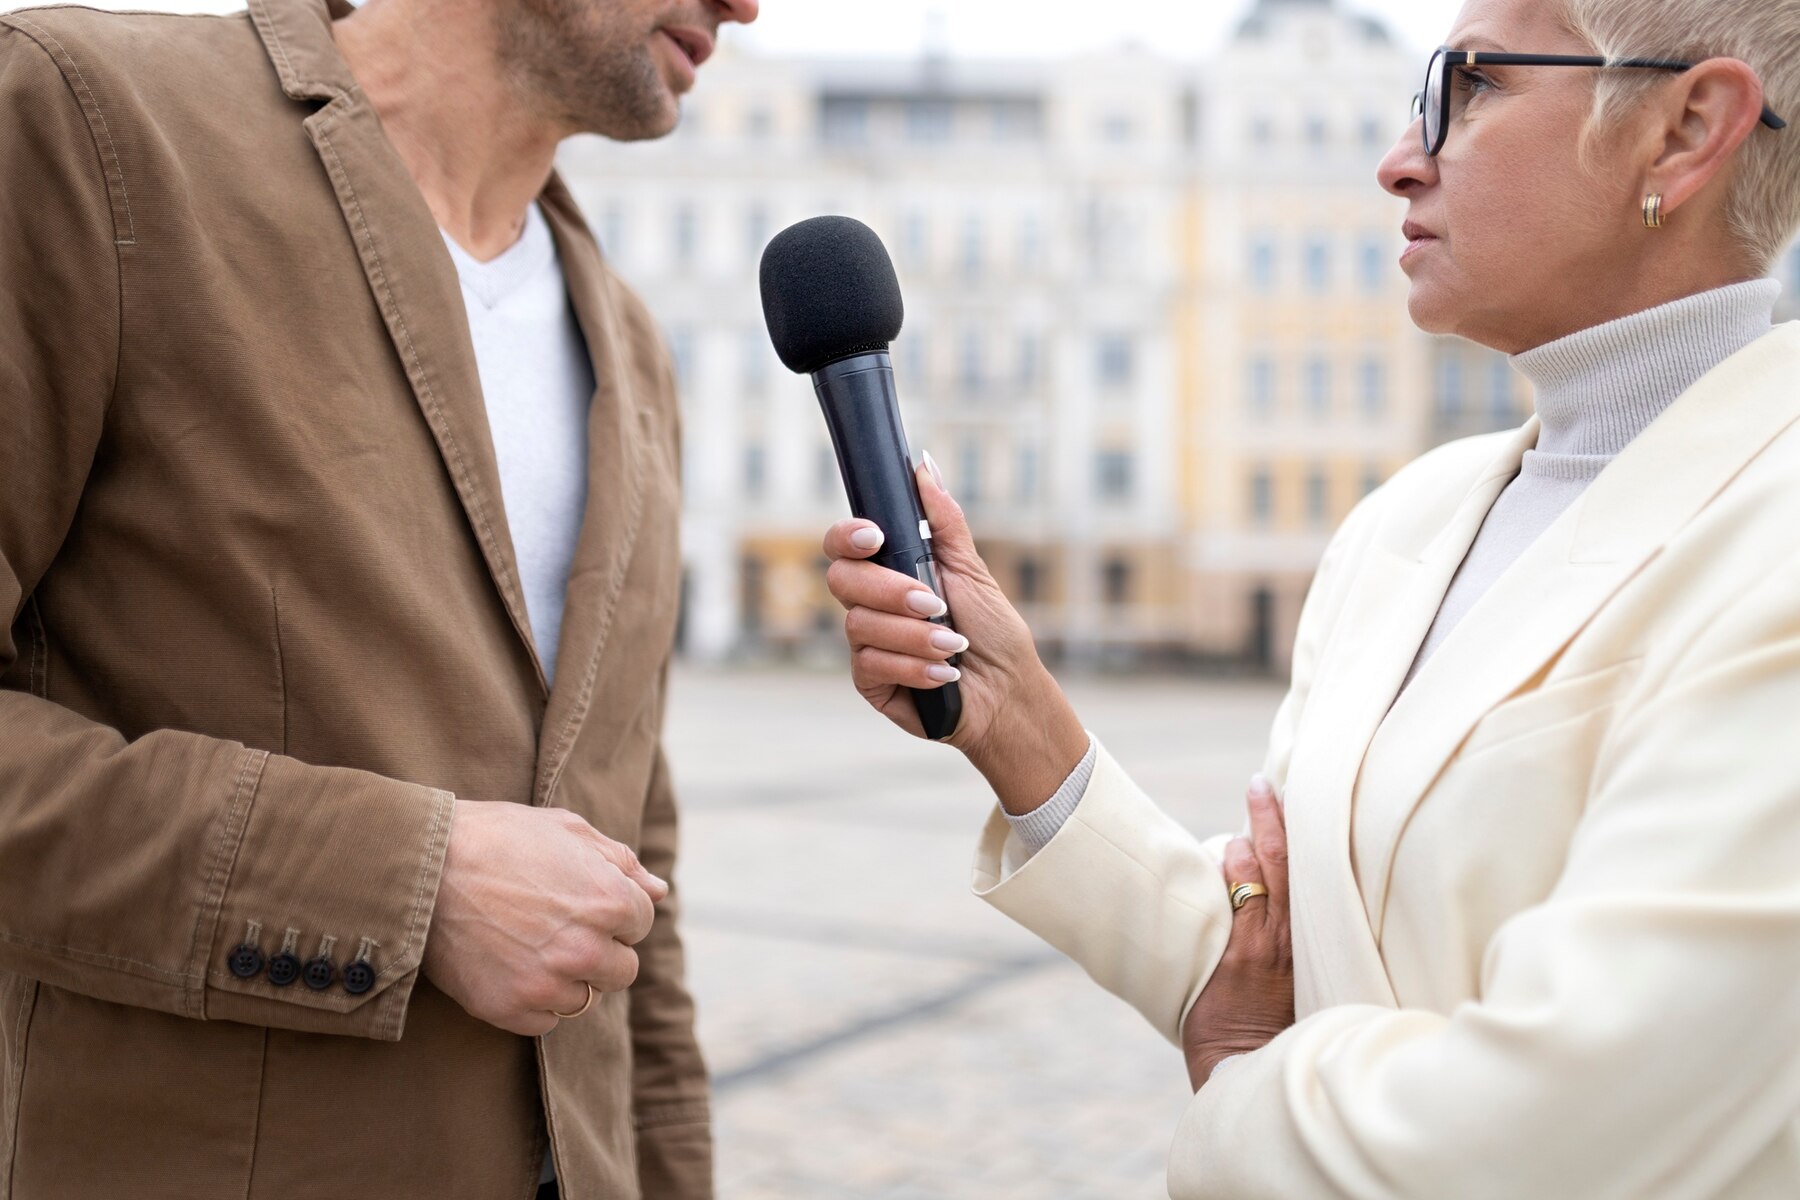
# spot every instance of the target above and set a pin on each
(476, 150)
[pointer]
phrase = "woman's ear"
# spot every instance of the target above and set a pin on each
(1711, 109)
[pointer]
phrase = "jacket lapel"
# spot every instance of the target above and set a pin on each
(409, 272)
(1545, 598)
(1392, 598)
(617, 454)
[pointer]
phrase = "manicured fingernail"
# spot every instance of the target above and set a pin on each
(869, 538)
(937, 476)
(926, 604)
(1260, 785)
(949, 641)
(944, 674)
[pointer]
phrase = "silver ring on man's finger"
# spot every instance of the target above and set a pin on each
(1243, 893)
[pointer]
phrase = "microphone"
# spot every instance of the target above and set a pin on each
(832, 303)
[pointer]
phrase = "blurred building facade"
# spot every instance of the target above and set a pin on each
(1156, 333)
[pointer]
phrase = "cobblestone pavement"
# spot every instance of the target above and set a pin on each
(874, 1031)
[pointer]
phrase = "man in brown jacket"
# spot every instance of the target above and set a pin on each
(300, 851)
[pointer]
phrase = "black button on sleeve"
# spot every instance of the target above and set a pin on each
(319, 973)
(246, 961)
(359, 977)
(283, 969)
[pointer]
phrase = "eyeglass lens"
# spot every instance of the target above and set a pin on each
(1433, 102)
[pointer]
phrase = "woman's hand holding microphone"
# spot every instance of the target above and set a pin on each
(1017, 728)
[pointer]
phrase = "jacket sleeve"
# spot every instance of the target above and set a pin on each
(1636, 1034)
(131, 870)
(669, 1081)
(1126, 891)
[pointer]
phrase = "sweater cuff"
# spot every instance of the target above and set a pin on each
(1037, 827)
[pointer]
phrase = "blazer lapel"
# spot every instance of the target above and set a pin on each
(1545, 598)
(1396, 591)
(616, 489)
(409, 271)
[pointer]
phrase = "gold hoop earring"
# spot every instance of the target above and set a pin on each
(1653, 214)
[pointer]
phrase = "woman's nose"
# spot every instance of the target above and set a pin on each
(1406, 166)
(741, 11)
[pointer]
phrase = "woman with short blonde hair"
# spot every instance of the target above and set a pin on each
(1519, 912)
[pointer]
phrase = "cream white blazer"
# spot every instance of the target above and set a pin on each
(1546, 905)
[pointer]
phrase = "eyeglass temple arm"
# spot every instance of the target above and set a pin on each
(1474, 58)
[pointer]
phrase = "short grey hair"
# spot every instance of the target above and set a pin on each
(1764, 207)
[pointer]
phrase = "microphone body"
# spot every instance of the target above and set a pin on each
(833, 306)
(862, 411)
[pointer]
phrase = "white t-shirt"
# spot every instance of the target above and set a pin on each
(537, 380)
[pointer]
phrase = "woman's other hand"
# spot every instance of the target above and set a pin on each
(1016, 727)
(1250, 997)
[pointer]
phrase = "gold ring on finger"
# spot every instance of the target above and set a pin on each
(587, 1005)
(1243, 893)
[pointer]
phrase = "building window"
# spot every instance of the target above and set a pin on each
(915, 239)
(1115, 582)
(1031, 366)
(1262, 132)
(1262, 387)
(756, 230)
(1500, 391)
(687, 236)
(1031, 581)
(684, 351)
(756, 364)
(1318, 264)
(909, 357)
(1262, 264)
(1113, 474)
(750, 594)
(1262, 496)
(1117, 128)
(969, 373)
(1025, 483)
(971, 249)
(826, 480)
(1318, 499)
(969, 476)
(1016, 120)
(1794, 267)
(1317, 132)
(929, 121)
(1318, 387)
(1373, 269)
(1450, 385)
(759, 125)
(846, 121)
(1374, 132)
(1371, 478)
(1372, 384)
(1113, 360)
(755, 471)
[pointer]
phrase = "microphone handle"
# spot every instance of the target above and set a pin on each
(862, 410)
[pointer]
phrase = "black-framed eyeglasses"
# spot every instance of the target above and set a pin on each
(1434, 103)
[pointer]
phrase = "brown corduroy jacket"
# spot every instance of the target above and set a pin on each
(265, 623)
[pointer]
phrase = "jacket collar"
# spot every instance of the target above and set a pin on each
(297, 36)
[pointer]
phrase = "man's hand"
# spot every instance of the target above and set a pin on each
(534, 905)
(1250, 998)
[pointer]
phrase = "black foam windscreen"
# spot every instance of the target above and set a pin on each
(828, 292)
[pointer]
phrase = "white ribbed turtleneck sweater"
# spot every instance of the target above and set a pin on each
(1596, 391)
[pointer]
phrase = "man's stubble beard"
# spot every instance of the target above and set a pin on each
(584, 71)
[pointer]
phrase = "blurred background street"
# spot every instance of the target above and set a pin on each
(875, 1032)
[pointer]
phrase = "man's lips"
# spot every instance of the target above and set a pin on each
(696, 45)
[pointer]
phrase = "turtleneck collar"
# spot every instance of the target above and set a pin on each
(1599, 388)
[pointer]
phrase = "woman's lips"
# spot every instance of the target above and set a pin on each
(1417, 238)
